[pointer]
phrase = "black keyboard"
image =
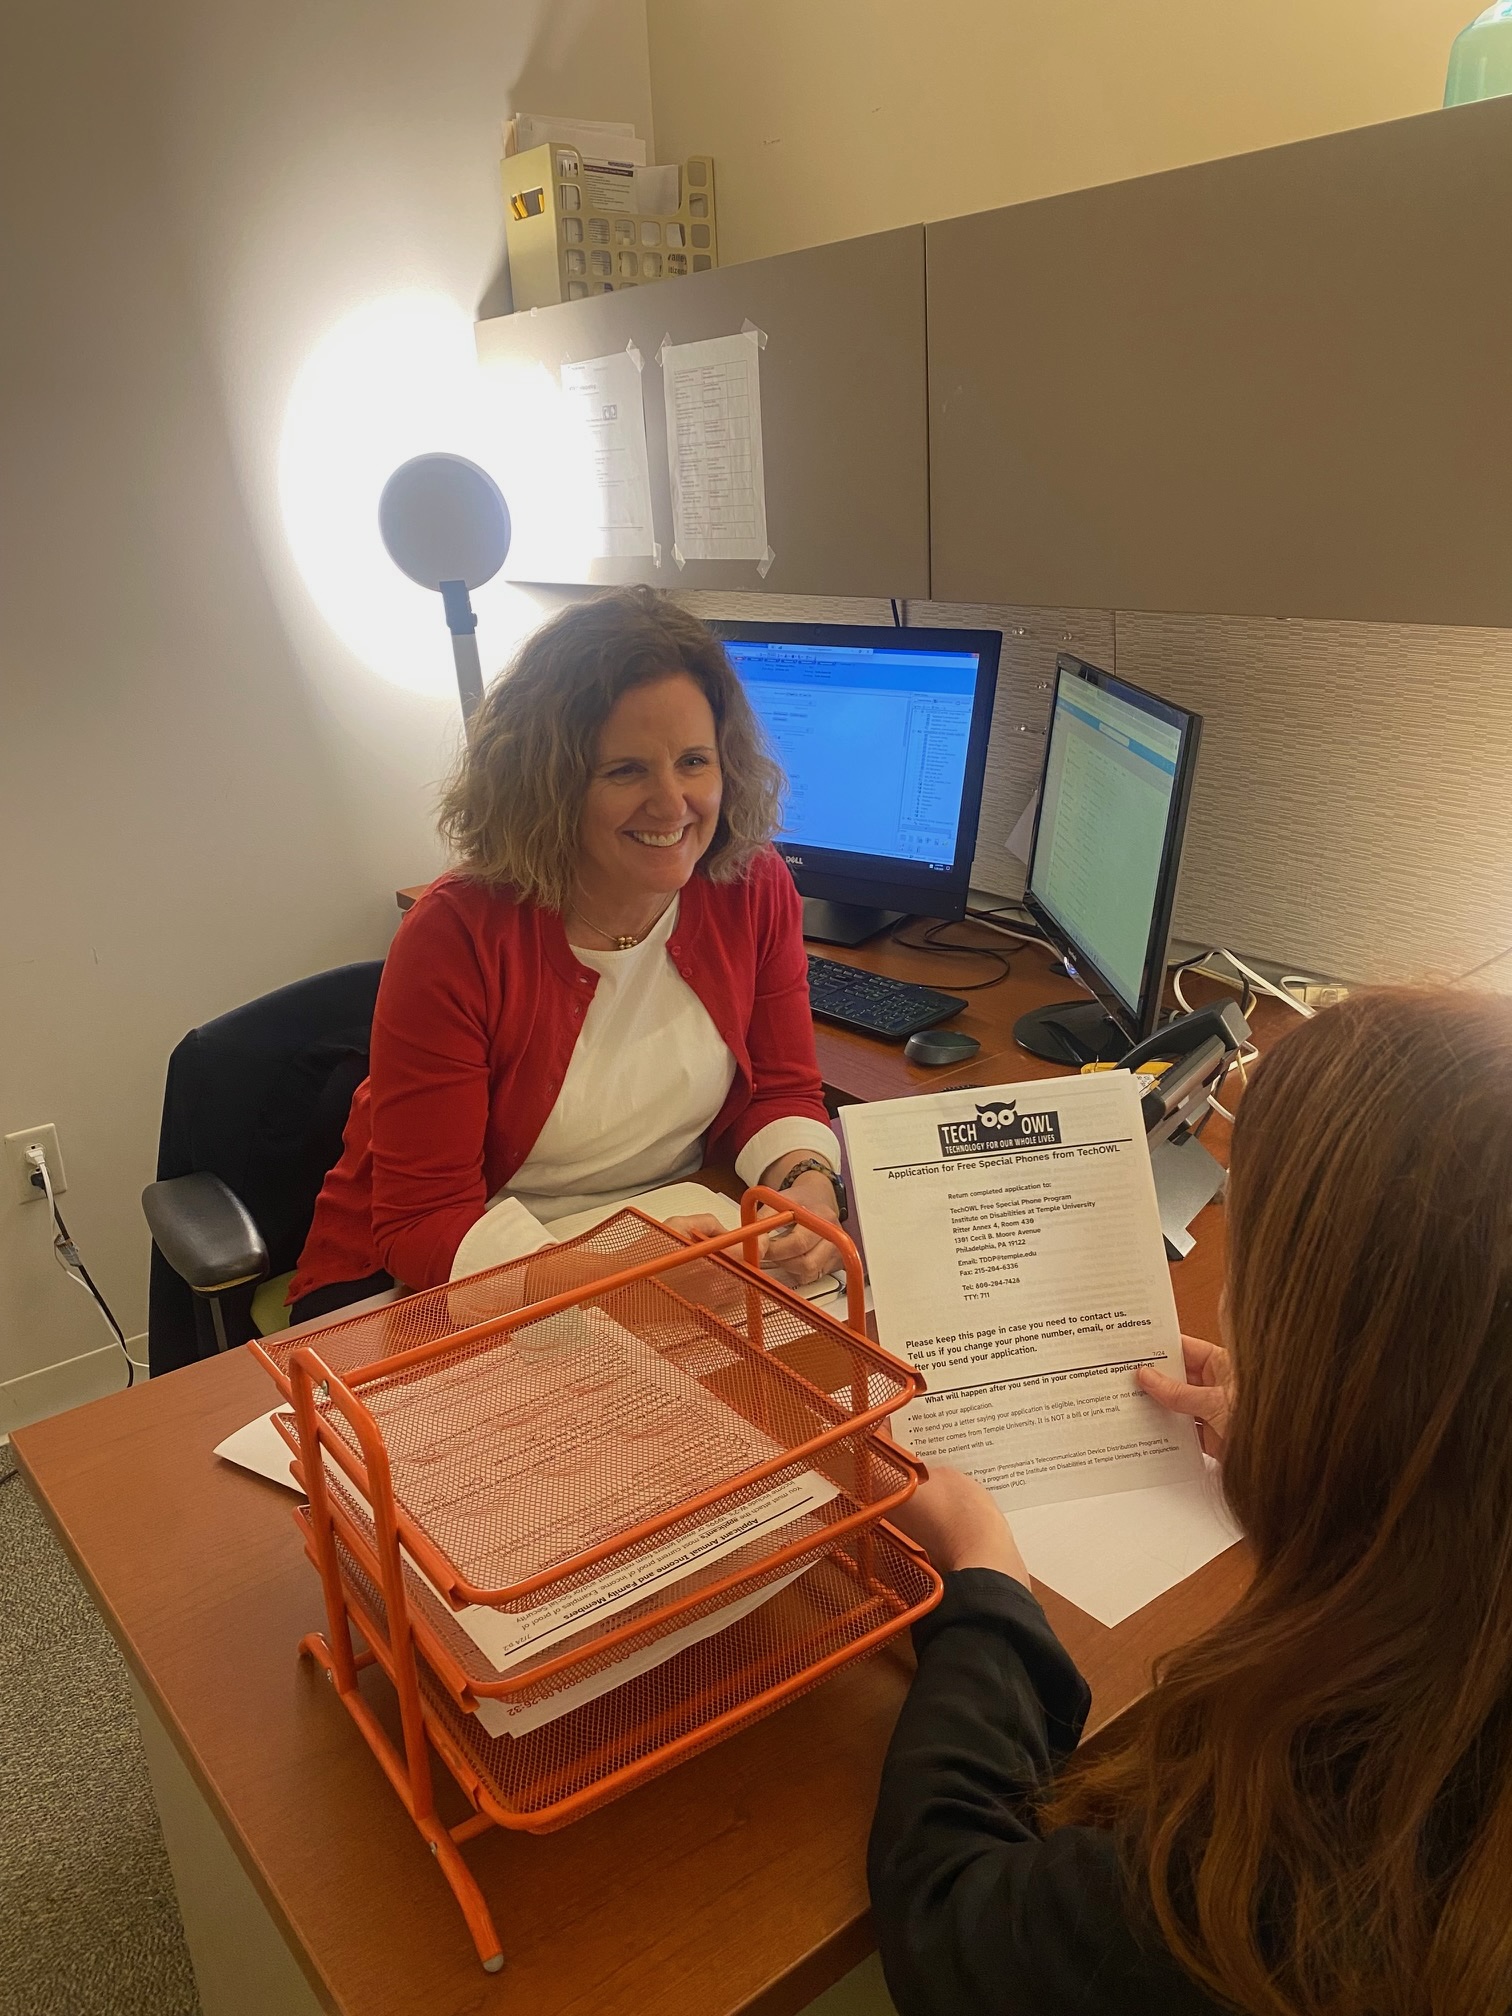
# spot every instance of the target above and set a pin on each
(875, 1005)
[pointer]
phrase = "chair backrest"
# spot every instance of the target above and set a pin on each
(260, 1097)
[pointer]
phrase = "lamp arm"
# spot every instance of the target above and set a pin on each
(463, 625)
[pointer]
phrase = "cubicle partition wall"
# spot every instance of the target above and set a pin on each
(1351, 815)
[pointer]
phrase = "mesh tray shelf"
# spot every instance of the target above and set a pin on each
(873, 1479)
(844, 1607)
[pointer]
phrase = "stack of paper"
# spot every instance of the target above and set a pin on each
(595, 139)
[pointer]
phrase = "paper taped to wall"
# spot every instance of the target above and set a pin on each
(602, 397)
(1015, 1251)
(713, 395)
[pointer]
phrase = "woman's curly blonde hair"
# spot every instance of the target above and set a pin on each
(510, 811)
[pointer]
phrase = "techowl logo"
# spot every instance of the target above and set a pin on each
(998, 1127)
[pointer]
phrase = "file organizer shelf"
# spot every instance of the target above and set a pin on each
(628, 1455)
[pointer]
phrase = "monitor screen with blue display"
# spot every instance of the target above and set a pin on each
(882, 735)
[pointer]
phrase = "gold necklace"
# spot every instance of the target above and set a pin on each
(624, 941)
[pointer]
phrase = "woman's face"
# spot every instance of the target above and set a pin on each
(652, 802)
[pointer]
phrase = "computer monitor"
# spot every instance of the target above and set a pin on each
(1103, 863)
(883, 736)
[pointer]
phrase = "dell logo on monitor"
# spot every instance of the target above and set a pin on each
(792, 860)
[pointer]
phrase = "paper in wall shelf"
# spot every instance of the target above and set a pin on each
(603, 401)
(713, 395)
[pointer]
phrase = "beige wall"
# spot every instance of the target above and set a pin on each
(809, 106)
(203, 793)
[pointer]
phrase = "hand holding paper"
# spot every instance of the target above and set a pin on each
(1206, 1395)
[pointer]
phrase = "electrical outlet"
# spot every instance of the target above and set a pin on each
(16, 1145)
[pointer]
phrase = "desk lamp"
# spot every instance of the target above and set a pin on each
(446, 525)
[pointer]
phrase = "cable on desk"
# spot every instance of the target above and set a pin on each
(932, 942)
(1024, 929)
(898, 623)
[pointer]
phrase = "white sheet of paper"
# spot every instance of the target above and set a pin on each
(508, 1718)
(487, 1244)
(713, 395)
(1021, 838)
(672, 1200)
(1015, 1251)
(504, 1638)
(261, 1449)
(602, 397)
(1112, 1555)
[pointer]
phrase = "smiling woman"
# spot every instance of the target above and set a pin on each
(610, 984)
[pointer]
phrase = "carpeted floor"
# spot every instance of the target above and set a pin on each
(89, 1923)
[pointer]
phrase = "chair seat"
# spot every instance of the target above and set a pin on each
(270, 1311)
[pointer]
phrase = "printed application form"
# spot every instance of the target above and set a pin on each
(1016, 1258)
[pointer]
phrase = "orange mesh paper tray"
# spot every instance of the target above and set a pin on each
(660, 1483)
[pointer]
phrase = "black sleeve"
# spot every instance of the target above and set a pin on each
(976, 1915)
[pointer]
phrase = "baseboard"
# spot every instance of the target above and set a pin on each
(55, 1388)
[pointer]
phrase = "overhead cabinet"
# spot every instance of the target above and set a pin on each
(1274, 385)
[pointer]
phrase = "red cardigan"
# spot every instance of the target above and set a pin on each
(478, 1014)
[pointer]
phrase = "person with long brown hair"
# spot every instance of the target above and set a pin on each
(610, 981)
(1310, 1814)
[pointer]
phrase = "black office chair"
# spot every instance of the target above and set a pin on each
(253, 1114)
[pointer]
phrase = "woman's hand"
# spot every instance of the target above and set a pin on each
(958, 1525)
(697, 1225)
(796, 1255)
(1207, 1395)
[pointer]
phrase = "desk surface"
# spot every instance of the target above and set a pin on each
(735, 1883)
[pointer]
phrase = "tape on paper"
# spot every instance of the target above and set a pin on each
(748, 328)
(764, 564)
(662, 348)
(635, 356)
(677, 555)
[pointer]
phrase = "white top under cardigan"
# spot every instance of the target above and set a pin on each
(648, 1075)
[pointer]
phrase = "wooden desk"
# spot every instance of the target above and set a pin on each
(735, 1883)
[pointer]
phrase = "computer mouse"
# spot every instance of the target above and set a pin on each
(940, 1046)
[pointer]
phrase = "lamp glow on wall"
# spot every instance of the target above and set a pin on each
(394, 379)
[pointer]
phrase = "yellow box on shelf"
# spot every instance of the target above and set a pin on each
(577, 226)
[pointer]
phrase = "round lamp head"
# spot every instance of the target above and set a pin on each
(444, 519)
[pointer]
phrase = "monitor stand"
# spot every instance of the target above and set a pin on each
(1071, 1032)
(845, 923)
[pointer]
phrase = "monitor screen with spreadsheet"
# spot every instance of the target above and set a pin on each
(1107, 839)
(882, 735)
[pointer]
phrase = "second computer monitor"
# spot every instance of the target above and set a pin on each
(883, 736)
(1114, 790)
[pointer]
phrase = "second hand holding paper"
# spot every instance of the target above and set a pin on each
(1015, 1252)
